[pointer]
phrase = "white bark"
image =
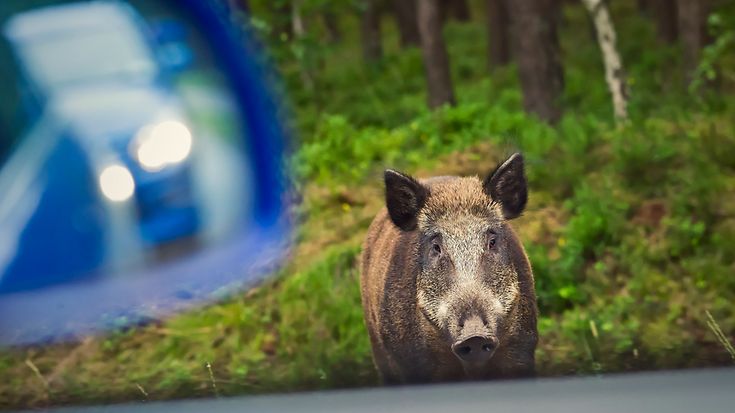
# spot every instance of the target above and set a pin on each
(297, 23)
(613, 63)
(299, 31)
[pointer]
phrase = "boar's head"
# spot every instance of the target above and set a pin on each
(466, 283)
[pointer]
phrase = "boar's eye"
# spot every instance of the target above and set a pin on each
(492, 238)
(436, 245)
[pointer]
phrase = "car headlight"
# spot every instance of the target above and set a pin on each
(163, 144)
(116, 183)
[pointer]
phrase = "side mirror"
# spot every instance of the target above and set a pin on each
(129, 198)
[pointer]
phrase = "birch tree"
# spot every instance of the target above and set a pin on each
(611, 58)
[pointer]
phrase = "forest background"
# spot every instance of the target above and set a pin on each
(624, 112)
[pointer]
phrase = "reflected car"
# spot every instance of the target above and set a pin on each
(106, 76)
(83, 158)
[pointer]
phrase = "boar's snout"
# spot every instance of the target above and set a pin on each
(475, 350)
(475, 345)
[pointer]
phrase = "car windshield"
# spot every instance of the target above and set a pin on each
(54, 63)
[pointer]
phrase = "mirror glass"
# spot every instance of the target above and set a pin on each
(140, 164)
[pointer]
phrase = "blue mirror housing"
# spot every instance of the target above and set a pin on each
(101, 228)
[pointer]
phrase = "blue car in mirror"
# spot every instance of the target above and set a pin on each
(135, 180)
(141, 152)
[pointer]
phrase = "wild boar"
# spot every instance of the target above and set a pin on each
(447, 288)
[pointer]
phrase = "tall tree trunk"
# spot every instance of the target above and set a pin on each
(613, 63)
(498, 28)
(406, 20)
(554, 9)
(436, 60)
(693, 33)
(372, 48)
(331, 23)
(444, 11)
(664, 13)
(455, 9)
(536, 49)
(460, 10)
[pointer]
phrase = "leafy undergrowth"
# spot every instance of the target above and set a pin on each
(629, 229)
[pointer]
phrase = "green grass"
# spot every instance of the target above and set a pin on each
(629, 229)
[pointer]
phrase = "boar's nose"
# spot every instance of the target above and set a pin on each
(475, 350)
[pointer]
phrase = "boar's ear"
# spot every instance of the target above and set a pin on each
(404, 197)
(507, 186)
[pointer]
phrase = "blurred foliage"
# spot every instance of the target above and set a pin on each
(629, 229)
